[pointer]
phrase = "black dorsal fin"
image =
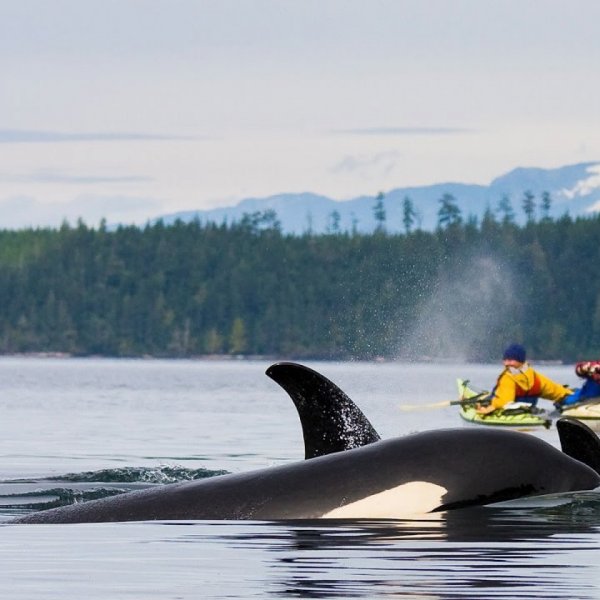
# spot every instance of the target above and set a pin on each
(579, 442)
(331, 422)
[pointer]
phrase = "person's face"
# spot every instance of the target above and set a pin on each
(511, 362)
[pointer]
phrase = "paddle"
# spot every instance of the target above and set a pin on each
(478, 399)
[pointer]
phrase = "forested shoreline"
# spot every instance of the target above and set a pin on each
(187, 290)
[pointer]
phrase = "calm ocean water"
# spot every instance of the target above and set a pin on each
(68, 423)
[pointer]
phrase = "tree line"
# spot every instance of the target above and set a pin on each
(449, 211)
(191, 289)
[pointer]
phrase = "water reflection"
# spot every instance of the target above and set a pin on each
(477, 553)
(548, 551)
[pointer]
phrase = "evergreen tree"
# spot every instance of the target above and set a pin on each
(354, 224)
(546, 205)
(379, 212)
(333, 225)
(309, 223)
(449, 213)
(529, 206)
(408, 214)
(505, 209)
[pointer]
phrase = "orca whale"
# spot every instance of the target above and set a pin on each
(353, 475)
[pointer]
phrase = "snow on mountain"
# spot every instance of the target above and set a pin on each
(585, 187)
(574, 189)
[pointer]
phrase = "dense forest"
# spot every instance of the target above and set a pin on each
(460, 292)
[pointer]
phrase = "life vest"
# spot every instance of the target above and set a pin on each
(534, 391)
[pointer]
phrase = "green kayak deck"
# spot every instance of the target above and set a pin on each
(521, 415)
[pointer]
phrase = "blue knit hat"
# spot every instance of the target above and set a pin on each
(515, 352)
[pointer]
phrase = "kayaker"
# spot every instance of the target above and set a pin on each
(590, 371)
(520, 382)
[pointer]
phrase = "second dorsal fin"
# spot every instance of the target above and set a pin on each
(580, 442)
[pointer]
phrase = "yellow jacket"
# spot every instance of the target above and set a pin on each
(514, 384)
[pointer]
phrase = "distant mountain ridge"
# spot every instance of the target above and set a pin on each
(574, 189)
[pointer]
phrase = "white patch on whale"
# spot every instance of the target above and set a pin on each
(416, 497)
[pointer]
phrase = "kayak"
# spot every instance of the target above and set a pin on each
(519, 416)
(516, 414)
(583, 410)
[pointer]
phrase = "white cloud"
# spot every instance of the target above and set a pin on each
(379, 131)
(61, 177)
(369, 166)
(19, 136)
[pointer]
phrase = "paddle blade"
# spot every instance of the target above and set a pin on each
(413, 407)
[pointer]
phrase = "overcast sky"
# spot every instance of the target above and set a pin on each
(129, 109)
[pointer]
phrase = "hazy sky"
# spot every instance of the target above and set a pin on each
(129, 109)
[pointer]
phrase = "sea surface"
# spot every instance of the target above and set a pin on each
(75, 429)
